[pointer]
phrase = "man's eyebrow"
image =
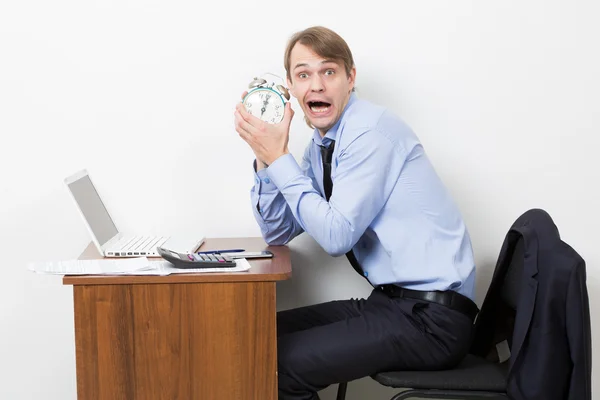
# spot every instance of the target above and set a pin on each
(322, 62)
(301, 65)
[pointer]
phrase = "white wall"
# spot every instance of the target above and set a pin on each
(504, 96)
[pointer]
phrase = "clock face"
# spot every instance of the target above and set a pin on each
(265, 104)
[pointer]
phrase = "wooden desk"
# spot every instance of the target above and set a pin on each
(205, 336)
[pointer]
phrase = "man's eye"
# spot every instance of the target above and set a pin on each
(302, 75)
(329, 72)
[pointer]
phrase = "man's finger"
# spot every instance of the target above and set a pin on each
(243, 112)
(244, 124)
(245, 135)
(288, 113)
(244, 94)
(256, 122)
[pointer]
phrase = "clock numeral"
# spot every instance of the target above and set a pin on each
(273, 120)
(248, 104)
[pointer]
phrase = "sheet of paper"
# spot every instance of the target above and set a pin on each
(125, 266)
(91, 267)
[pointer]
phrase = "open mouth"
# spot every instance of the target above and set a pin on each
(319, 107)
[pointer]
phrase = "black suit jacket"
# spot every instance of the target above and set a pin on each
(549, 335)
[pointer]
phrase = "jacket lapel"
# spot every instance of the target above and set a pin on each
(528, 294)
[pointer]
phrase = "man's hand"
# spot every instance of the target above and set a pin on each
(268, 141)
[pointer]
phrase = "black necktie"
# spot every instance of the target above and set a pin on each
(326, 156)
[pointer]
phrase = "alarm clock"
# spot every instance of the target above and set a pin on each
(266, 100)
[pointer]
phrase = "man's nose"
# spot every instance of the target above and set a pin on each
(316, 84)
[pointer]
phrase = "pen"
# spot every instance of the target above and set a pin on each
(222, 251)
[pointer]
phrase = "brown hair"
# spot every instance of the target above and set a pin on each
(323, 41)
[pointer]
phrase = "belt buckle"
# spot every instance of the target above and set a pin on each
(388, 289)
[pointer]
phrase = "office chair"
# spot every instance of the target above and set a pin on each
(473, 378)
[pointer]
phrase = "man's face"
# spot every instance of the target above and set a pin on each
(321, 86)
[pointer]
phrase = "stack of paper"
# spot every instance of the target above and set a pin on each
(124, 266)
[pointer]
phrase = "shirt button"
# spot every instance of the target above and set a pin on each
(366, 273)
(267, 180)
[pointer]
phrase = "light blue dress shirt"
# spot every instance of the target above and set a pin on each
(387, 204)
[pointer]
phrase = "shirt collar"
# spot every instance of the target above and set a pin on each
(332, 133)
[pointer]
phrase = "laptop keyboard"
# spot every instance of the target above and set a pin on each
(138, 245)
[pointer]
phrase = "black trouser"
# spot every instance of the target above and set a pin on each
(340, 341)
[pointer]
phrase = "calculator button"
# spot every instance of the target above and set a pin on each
(191, 257)
(197, 257)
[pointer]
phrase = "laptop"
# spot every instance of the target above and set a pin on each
(105, 235)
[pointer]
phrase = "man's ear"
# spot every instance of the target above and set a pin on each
(352, 78)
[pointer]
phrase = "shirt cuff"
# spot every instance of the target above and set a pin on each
(262, 182)
(283, 170)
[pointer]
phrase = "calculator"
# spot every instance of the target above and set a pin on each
(187, 261)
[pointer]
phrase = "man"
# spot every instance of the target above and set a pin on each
(365, 188)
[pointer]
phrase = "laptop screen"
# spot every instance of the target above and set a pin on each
(93, 209)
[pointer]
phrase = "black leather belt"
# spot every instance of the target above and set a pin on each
(450, 299)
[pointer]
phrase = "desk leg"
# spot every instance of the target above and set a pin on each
(176, 341)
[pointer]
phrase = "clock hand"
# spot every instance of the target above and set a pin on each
(264, 108)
